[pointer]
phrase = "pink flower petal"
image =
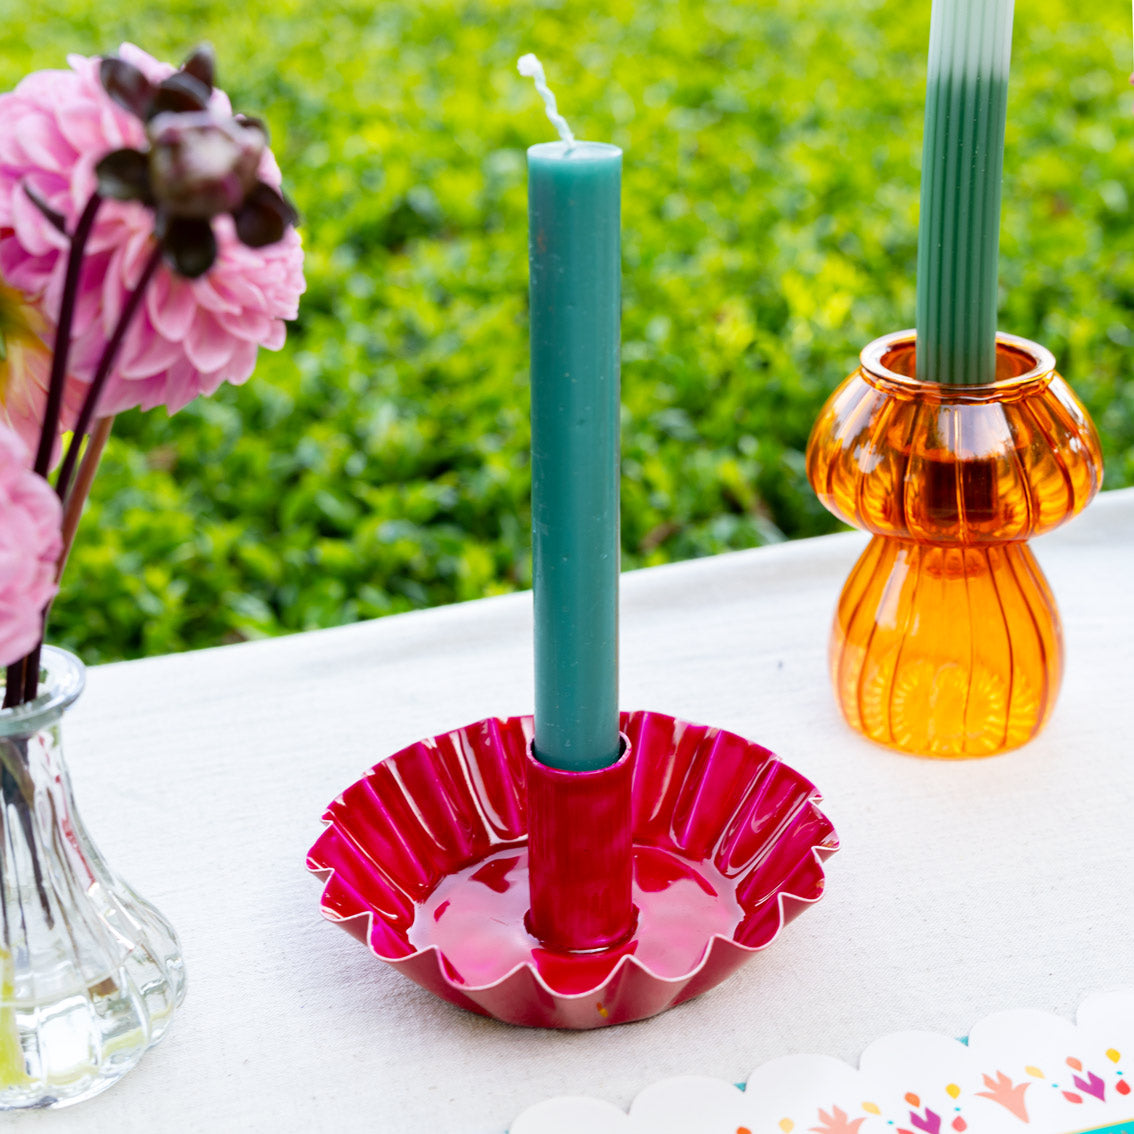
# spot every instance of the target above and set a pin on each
(30, 543)
(181, 385)
(238, 290)
(211, 298)
(80, 128)
(106, 289)
(139, 247)
(42, 144)
(251, 326)
(33, 230)
(21, 271)
(175, 315)
(207, 345)
(89, 300)
(144, 352)
(242, 363)
(276, 337)
(85, 352)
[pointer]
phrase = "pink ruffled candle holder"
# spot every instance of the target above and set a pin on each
(572, 899)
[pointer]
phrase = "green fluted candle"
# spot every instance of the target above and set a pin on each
(574, 193)
(970, 44)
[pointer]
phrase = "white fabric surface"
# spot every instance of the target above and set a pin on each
(961, 889)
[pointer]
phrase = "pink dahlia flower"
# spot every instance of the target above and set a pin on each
(190, 335)
(30, 544)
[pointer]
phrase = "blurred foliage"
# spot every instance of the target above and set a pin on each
(379, 462)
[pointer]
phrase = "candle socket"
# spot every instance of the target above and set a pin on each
(580, 845)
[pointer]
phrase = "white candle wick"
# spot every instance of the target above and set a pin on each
(530, 66)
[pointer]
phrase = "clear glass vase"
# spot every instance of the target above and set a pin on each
(90, 973)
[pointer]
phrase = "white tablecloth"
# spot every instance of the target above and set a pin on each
(961, 888)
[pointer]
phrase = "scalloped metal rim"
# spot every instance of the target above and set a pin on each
(725, 952)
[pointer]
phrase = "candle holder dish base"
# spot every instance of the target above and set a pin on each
(426, 860)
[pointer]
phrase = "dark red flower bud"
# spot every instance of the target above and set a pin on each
(126, 85)
(202, 165)
(124, 175)
(188, 243)
(264, 217)
(181, 93)
(202, 65)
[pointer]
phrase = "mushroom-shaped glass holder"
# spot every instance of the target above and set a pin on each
(947, 639)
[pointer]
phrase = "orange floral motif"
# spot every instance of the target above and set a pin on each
(1010, 1096)
(837, 1122)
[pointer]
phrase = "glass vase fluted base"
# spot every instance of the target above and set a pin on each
(946, 651)
(90, 973)
(947, 640)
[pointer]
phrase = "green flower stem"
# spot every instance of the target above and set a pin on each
(970, 44)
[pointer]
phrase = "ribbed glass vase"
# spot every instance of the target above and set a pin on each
(90, 973)
(947, 639)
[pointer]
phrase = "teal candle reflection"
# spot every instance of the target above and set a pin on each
(574, 197)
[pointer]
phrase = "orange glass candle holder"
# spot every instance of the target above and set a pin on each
(947, 640)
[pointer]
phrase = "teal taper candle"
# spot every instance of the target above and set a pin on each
(966, 99)
(574, 198)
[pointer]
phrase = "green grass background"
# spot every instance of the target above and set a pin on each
(379, 462)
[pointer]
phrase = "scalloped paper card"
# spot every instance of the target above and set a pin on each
(1020, 1072)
